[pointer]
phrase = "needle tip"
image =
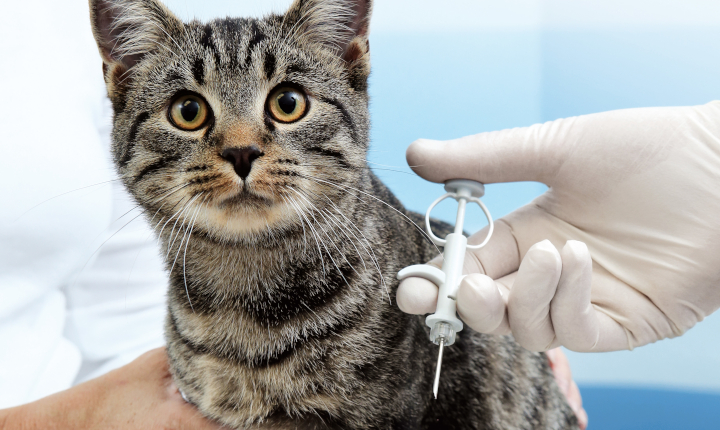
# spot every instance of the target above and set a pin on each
(437, 370)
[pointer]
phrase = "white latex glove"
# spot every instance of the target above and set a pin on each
(639, 187)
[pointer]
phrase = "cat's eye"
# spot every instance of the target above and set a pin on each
(287, 104)
(188, 112)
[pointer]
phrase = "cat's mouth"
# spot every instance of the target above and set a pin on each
(245, 199)
(242, 212)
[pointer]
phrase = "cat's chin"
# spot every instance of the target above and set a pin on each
(244, 216)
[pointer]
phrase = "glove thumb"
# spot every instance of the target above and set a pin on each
(532, 153)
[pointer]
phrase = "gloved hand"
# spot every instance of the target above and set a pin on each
(621, 251)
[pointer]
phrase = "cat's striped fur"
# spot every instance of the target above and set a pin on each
(280, 312)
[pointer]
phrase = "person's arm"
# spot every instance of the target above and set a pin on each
(140, 395)
(621, 251)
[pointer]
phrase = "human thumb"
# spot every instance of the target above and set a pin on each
(532, 153)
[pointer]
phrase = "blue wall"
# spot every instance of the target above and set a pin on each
(446, 86)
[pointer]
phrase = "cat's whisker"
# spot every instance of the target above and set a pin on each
(371, 252)
(65, 193)
(183, 227)
(344, 187)
(139, 205)
(158, 223)
(385, 165)
(116, 220)
(102, 244)
(296, 205)
(352, 224)
(328, 236)
(393, 170)
(317, 224)
(344, 229)
(182, 214)
(170, 219)
(151, 232)
(302, 223)
(187, 291)
(331, 242)
(170, 192)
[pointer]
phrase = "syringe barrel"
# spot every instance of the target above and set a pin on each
(453, 259)
(454, 256)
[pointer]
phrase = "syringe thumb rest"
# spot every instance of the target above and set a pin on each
(425, 271)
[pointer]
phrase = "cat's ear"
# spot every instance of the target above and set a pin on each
(342, 26)
(127, 30)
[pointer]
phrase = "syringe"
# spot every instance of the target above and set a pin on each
(444, 323)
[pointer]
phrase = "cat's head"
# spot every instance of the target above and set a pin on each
(245, 124)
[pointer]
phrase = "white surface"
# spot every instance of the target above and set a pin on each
(66, 311)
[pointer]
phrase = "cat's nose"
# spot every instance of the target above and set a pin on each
(242, 158)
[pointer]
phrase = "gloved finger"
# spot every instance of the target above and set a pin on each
(530, 297)
(498, 258)
(480, 305)
(578, 325)
(532, 153)
(417, 296)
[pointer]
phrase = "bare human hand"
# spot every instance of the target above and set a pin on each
(140, 395)
(563, 376)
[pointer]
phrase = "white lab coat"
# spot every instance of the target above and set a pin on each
(72, 305)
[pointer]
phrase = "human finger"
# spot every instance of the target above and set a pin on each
(187, 417)
(532, 153)
(530, 297)
(498, 258)
(417, 296)
(578, 325)
(563, 376)
(575, 402)
(480, 305)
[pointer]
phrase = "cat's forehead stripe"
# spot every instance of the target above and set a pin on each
(198, 70)
(269, 65)
(258, 36)
(206, 41)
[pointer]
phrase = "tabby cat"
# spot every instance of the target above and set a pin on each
(245, 142)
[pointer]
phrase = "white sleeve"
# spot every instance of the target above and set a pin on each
(116, 307)
(64, 313)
